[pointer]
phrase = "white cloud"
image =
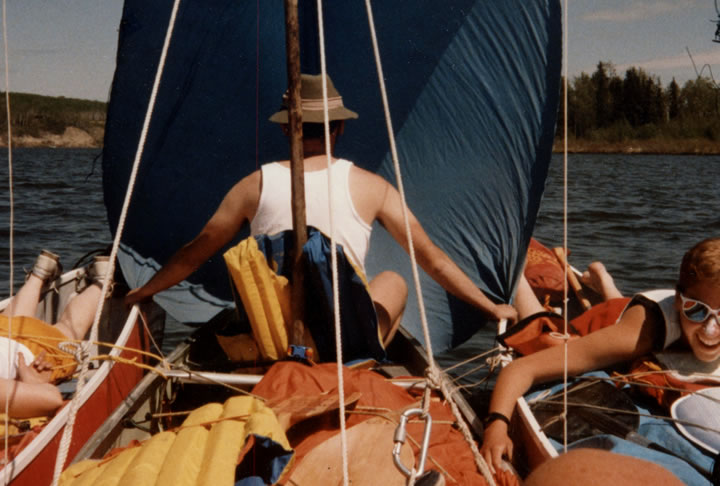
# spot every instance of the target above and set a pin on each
(675, 62)
(639, 10)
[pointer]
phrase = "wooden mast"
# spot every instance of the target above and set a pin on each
(292, 41)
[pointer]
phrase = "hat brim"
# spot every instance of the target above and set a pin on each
(316, 116)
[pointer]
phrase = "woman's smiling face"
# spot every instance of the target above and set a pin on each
(702, 337)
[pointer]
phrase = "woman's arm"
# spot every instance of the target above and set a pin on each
(29, 399)
(631, 337)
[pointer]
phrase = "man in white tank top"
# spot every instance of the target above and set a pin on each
(361, 198)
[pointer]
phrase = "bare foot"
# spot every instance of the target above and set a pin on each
(597, 278)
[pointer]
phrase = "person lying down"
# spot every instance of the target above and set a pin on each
(30, 361)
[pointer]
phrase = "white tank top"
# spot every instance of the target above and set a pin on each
(274, 213)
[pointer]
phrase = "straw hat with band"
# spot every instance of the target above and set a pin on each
(312, 102)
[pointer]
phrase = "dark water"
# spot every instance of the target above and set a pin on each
(636, 213)
(58, 206)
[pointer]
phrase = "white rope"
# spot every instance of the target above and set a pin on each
(74, 404)
(565, 226)
(433, 370)
(12, 219)
(401, 190)
(333, 245)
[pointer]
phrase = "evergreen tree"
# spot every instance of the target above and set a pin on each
(673, 99)
(601, 86)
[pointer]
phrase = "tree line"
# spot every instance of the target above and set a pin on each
(33, 115)
(605, 107)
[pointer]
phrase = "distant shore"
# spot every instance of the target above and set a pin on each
(74, 137)
(650, 146)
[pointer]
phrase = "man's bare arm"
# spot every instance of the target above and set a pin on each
(237, 207)
(433, 260)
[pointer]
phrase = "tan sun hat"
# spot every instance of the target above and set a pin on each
(312, 102)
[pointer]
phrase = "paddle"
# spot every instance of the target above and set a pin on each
(572, 278)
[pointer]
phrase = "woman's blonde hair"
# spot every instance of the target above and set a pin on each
(700, 263)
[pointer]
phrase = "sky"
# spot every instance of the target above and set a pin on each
(67, 47)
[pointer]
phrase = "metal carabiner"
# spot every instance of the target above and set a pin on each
(399, 439)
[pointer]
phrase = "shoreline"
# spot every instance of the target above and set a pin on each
(641, 147)
(74, 137)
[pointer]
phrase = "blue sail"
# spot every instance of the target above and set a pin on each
(473, 87)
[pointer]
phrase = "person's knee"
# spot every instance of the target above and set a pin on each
(390, 290)
(389, 293)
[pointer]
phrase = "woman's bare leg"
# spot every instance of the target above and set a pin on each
(389, 292)
(79, 314)
(597, 278)
(526, 302)
(25, 302)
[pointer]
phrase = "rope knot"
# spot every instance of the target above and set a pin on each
(79, 351)
(433, 377)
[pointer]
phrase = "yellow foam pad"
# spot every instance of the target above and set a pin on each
(184, 459)
(223, 446)
(203, 451)
(145, 466)
(258, 288)
(69, 474)
(113, 470)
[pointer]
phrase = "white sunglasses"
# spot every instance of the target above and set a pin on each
(698, 311)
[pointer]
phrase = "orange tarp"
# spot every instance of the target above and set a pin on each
(448, 450)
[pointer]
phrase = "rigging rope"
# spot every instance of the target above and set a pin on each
(434, 375)
(333, 246)
(566, 336)
(63, 449)
(12, 215)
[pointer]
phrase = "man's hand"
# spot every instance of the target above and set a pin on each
(37, 372)
(136, 296)
(505, 311)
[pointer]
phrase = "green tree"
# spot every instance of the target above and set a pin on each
(699, 99)
(601, 86)
(673, 99)
(581, 106)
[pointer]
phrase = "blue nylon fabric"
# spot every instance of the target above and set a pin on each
(263, 464)
(357, 314)
(657, 430)
(473, 87)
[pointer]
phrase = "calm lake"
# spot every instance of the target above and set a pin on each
(636, 213)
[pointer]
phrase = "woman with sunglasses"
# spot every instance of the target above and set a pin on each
(688, 316)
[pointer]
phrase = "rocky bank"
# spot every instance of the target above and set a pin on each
(72, 137)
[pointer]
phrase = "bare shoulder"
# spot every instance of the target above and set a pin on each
(368, 192)
(241, 201)
(367, 178)
(247, 187)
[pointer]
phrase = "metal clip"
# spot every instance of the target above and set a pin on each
(399, 439)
